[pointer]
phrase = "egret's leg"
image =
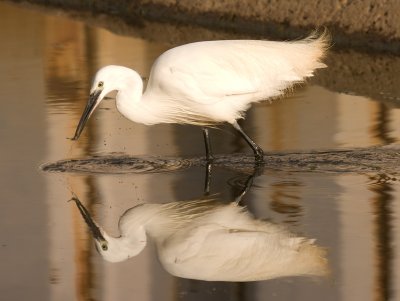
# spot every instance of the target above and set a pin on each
(246, 188)
(258, 152)
(207, 181)
(258, 170)
(207, 143)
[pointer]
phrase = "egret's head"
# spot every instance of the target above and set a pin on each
(113, 249)
(116, 249)
(107, 79)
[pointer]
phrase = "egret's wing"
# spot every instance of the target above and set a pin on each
(188, 244)
(216, 241)
(197, 72)
(206, 72)
(236, 255)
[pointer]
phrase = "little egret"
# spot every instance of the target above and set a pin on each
(208, 83)
(209, 240)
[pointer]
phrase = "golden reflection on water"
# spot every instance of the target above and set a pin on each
(383, 240)
(354, 219)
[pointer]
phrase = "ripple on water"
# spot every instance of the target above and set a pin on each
(365, 160)
(118, 165)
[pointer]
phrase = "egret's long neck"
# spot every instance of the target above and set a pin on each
(131, 87)
(129, 100)
(155, 219)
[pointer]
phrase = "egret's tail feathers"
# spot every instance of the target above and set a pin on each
(311, 259)
(310, 52)
(292, 62)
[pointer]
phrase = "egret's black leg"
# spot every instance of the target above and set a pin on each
(258, 170)
(258, 152)
(207, 143)
(207, 182)
(246, 188)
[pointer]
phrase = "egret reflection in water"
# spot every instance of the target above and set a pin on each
(210, 240)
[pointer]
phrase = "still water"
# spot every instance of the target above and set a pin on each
(47, 251)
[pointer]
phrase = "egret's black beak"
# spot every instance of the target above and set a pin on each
(87, 112)
(97, 235)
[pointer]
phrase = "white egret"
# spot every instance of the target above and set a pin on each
(208, 83)
(209, 240)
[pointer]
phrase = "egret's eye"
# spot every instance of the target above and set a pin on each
(104, 247)
(100, 85)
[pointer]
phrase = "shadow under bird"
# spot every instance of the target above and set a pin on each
(210, 240)
(208, 83)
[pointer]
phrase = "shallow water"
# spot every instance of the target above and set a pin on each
(47, 64)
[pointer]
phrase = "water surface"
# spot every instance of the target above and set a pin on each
(47, 64)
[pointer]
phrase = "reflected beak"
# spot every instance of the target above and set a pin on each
(97, 235)
(87, 112)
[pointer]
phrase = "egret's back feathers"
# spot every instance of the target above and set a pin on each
(198, 80)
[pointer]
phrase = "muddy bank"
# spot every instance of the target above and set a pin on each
(372, 75)
(364, 24)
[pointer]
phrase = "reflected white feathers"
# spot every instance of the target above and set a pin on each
(209, 240)
(207, 83)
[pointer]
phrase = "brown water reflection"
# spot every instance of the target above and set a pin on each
(47, 64)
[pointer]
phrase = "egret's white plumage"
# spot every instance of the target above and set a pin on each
(208, 240)
(207, 83)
